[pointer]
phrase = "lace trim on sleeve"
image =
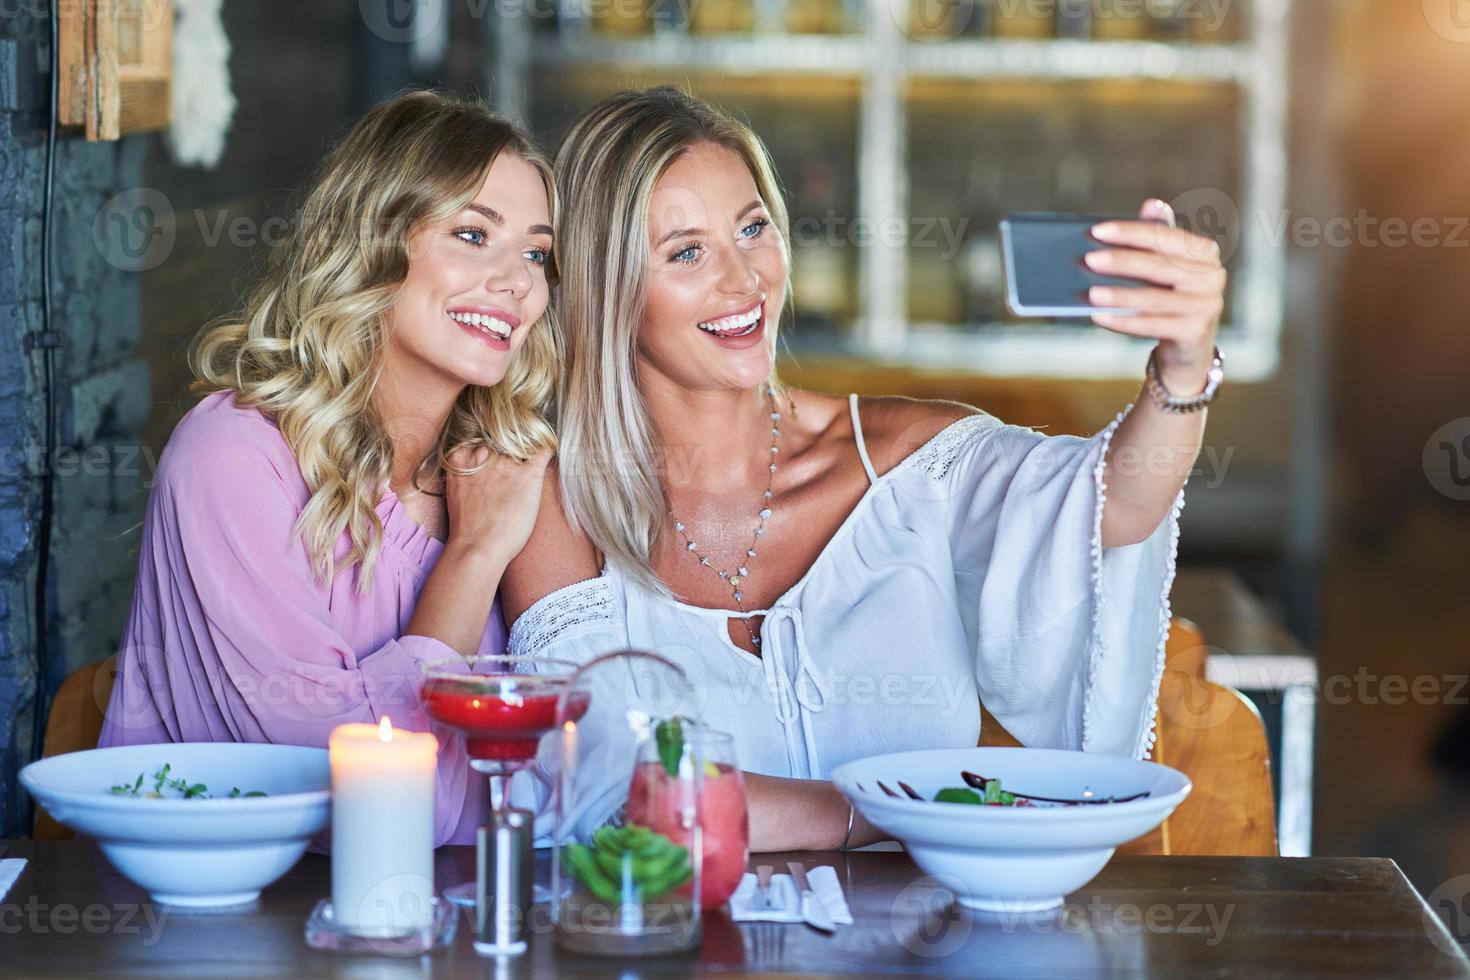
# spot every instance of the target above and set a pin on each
(1147, 728)
(937, 455)
(564, 613)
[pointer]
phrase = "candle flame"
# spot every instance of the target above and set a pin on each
(385, 730)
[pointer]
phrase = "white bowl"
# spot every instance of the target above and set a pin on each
(1012, 859)
(200, 853)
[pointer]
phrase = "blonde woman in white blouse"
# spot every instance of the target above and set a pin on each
(841, 577)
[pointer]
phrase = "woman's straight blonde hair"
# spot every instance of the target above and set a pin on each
(309, 347)
(609, 462)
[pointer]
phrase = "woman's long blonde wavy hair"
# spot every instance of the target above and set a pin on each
(309, 346)
(606, 168)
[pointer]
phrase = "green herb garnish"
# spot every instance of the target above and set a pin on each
(960, 794)
(957, 794)
(162, 781)
(669, 735)
(132, 790)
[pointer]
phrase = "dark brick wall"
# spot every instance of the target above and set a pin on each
(103, 395)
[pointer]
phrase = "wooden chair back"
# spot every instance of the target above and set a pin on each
(1214, 736)
(75, 723)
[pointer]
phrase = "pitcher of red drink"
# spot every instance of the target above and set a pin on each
(651, 827)
(663, 798)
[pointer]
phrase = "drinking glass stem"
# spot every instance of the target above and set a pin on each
(500, 790)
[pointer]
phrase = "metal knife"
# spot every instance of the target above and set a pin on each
(812, 910)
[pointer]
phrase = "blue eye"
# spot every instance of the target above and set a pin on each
(686, 255)
(478, 233)
(540, 256)
(759, 225)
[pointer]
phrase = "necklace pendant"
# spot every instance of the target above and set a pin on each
(741, 573)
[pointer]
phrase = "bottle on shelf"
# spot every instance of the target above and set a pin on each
(721, 16)
(1075, 181)
(936, 20)
(669, 16)
(623, 18)
(1074, 19)
(1219, 24)
(771, 16)
(572, 19)
(981, 272)
(1024, 19)
(1171, 18)
(1116, 20)
(814, 16)
(821, 286)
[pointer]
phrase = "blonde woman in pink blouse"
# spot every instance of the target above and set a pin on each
(368, 456)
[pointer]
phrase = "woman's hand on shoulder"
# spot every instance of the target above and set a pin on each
(554, 556)
(493, 510)
(894, 427)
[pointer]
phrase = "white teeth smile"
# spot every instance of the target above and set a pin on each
(491, 325)
(733, 326)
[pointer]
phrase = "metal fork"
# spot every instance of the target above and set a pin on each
(763, 885)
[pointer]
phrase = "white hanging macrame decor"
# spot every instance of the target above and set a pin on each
(202, 103)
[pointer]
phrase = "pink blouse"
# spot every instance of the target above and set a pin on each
(232, 637)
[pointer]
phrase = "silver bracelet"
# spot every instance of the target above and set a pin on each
(851, 813)
(1180, 406)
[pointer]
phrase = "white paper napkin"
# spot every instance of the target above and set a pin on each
(786, 901)
(10, 869)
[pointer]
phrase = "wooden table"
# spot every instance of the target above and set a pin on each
(70, 914)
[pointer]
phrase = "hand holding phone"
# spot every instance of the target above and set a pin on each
(1159, 281)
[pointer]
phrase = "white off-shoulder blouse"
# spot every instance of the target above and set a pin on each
(972, 571)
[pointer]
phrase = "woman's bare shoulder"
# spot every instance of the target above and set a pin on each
(894, 427)
(555, 556)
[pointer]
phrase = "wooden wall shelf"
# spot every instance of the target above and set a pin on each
(116, 61)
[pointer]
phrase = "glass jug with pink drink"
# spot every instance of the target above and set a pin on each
(652, 828)
(663, 798)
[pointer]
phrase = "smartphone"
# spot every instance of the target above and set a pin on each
(1045, 274)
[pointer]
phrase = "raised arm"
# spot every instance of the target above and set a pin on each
(1153, 450)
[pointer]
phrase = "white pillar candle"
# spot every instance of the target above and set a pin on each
(382, 828)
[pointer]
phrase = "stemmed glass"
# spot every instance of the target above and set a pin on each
(503, 705)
